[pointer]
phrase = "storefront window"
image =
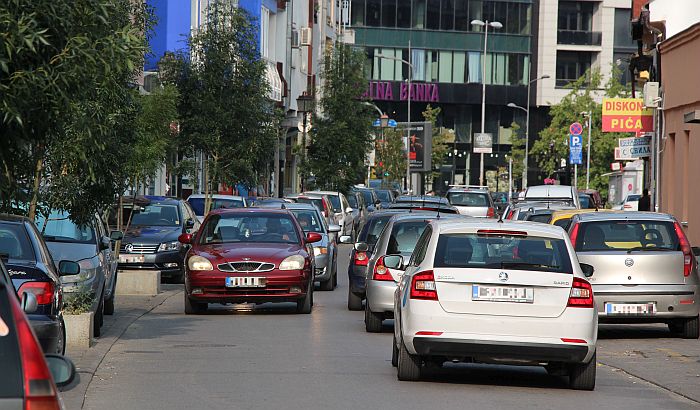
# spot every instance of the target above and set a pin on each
(447, 14)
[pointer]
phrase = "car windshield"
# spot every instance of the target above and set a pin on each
(472, 250)
(308, 219)
(383, 195)
(317, 202)
(59, 228)
(335, 202)
(14, 243)
(156, 215)
(197, 204)
(473, 199)
(264, 228)
(625, 235)
(586, 202)
(374, 228)
(632, 198)
(404, 236)
(352, 200)
(367, 196)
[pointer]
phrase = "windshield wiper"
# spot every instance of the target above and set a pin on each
(526, 265)
(649, 249)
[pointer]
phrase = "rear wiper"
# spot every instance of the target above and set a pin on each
(649, 249)
(526, 265)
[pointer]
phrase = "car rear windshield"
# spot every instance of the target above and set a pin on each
(383, 195)
(265, 228)
(156, 215)
(59, 228)
(473, 199)
(631, 198)
(371, 231)
(472, 250)
(586, 202)
(308, 219)
(404, 236)
(563, 223)
(544, 218)
(197, 204)
(15, 243)
(625, 235)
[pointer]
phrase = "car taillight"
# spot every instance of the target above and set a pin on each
(581, 294)
(491, 213)
(423, 286)
(686, 249)
(381, 272)
(42, 290)
(574, 234)
(39, 389)
(628, 206)
(510, 214)
(361, 258)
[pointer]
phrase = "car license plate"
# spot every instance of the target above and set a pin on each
(648, 308)
(246, 282)
(131, 258)
(503, 294)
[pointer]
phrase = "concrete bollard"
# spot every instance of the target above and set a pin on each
(79, 330)
(138, 282)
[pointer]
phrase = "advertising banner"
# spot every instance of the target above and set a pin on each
(626, 115)
(420, 145)
(483, 143)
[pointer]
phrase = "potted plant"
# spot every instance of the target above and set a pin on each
(79, 318)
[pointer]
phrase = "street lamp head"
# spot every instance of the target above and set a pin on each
(496, 24)
(543, 76)
(512, 105)
(304, 102)
(384, 121)
(478, 23)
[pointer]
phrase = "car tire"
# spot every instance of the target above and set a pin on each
(98, 319)
(62, 347)
(373, 321)
(690, 328)
(582, 375)
(409, 365)
(327, 285)
(335, 273)
(304, 305)
(394, 353)
(194, 308)
(354, 301)
(675, 327)
(109, 306)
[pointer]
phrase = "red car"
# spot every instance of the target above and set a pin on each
(249, 255)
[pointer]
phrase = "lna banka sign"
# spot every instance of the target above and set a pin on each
(398, 91)
(626, 115)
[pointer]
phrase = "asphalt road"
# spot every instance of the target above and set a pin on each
(271, 358)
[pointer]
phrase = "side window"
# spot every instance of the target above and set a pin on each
(45, 255)
(421, 247)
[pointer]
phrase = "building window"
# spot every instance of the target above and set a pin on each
(418, 62)
(372, 19)
(418, 14)
(389, 13)
(447, 15)
(571, 65)
(623, 34)
(622, 62)
(575, 16)
(474, 64)
(462, 15)
(358, 13)
(445, 74)
(403, 14)
(459, 62)
(525, 18)
(264, 32)
(476, 12)
(432, 18)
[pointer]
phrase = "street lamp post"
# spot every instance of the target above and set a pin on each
(486, 24)
(304, 106)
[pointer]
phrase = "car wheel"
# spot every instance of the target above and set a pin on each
(354, 301)
(327, 285)
(373, 321)
(304, 305)
(394, 353)
(690, 328)
(109, 305)
(582, 375)
(61, 348)
(335, 273)
(98, 319)
(675, 326)
(193, 308)
(409, 365)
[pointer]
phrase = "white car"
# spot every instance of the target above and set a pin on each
(553, 193)
(341, 209)
(495, 292)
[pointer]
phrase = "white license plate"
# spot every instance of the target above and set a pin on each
(246, 282)
(630, 308)
(131, 259)
(503, 294)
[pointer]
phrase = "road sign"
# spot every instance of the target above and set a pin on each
(633, 148)
(378, 123)
(575, 150)
(576, 129)
(483, 143)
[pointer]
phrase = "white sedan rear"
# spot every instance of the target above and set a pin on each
(495, 292)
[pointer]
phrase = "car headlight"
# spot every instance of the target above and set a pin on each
(169, 246)
(197, 262)
(294, 262)
(88, 270)
(320, 250)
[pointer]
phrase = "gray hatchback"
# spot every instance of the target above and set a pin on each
(645, 269)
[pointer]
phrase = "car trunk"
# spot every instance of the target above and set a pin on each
(477, 211)
(549, 291)
(635, 268)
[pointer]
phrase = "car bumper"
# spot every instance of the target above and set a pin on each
(213, 289)
(168, 263)
(322, 271)
(672, 302)
(94, 285)
(380, 295)
(49, 331)
(357, 279)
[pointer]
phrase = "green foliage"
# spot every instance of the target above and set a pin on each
(442, 139)
(340, 138)
(391, 153)
(79, 301)
(552, 145)
(517, 152)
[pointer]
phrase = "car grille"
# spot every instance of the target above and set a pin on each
(246, 267)
(138, 248)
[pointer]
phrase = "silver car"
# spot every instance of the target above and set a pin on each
(325, 250)
(645, 269)
(472, 201)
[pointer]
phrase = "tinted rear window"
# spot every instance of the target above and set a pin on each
(404, 236)
(541, 218)
(473, 199)
(14, 242)
(373, 228)
(625, 235)
(367, 196)
(471, 250)
(563, 223)
(317, 202)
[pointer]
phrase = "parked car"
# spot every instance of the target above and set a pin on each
(645, 269)
(341, 209)
(197, 201)
(552, 193)
(385, 196)
(495, 292)
(151, 242)
(361, 252)
(32, 269)
(251, 255)
(29, 376)
(359, 209)
(472, 201)
(371, 200)
(325, 250)
(90, 246)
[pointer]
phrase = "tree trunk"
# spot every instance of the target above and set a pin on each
(35, 189)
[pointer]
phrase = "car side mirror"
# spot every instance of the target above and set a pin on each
(587, 269)
(67, 268)
(313, 237)
(345, 239)
(116, 236)
(105, 243)
(348, 210)
(361, 247)
(189, 224)
(393, 261)
(185, 238)
(29, 302)
(333, 228)
(62, 369)
(377, 202)
(696, 251)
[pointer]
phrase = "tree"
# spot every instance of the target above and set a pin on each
(442, 138)
(552, 144)
(517, 153)
(224, 111)
(391, 153)
(340, 138)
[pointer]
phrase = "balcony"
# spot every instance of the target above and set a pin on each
(579, 38)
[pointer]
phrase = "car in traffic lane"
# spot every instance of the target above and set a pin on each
(495, 292)
(197, 202)
(249, 255)
(472, 200)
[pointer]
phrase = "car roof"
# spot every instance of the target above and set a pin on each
(554, 205)
(472, 225)
(13, 218)
(568, 213)
(621, 216)
(300, 205)
(250, 211)
(162, 199)
(215, 196)
(422, 198)
(320, 193)
(549, 191)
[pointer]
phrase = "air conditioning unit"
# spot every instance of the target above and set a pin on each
(295, 38)
(305, 36)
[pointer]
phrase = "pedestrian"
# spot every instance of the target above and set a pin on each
(645, 201)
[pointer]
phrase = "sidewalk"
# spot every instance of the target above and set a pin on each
(128, 309)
